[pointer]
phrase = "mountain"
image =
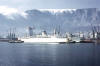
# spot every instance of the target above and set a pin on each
(67, 19)
(71, 20)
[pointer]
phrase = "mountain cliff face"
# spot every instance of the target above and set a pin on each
(48, 19)
(67, 19)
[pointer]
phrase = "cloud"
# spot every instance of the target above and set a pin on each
(54, 11)
(9, 12)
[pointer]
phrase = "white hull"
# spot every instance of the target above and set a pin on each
(45, 40)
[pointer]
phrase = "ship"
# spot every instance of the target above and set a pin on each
(15, 41)
(44, 38)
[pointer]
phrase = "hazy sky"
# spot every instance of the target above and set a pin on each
(48, 4)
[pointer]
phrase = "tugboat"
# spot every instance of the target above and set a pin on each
(16, 41)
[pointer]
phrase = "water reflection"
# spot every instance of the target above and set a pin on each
(49, 55)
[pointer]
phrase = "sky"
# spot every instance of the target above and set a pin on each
(50, 4)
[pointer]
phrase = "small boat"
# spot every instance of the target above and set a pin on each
(72, 42)
(86, 41)
(15, 41)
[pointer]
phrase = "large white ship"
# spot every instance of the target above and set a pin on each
(44, 38)
(52, 40)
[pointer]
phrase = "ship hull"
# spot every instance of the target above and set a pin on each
(45, 40)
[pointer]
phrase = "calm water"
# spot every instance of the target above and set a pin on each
(49, 55)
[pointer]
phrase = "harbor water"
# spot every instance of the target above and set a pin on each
(26, 54)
